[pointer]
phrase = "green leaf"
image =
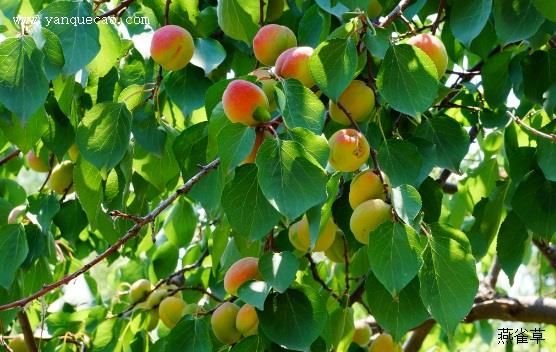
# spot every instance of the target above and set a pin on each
(448, 277)
(87, 182)
(496, 78)
(398, 314)
(534, 202)
(254, 293)
(450, 140)
(339, 329)
(145, 128)
(110, 50)
(71, 220)
(279, 269)
(238, 19)
(400, 160)
(407, 79)
(180, 224)
(45, 208)
(246, 208)
(190, 335)
(333, 65)
(164, 260)
(80, 43)
(546, 153)
(158, 170)
(516, 19)
(313, 27)
(103, 134)
(546, 8)
(24, 134)
(315, 145)
(53, 53)
(339, 7)
(281, 167)
(538, 74)
(132, 96)
(407, 202)
(208, 54)
(250, 344)
(235, 142)
(468, 18)
(23, 84)
(300, 107)
(187, 88)
(512, 243)
(13, 250)
(378, 42)
(294, 319)
(394, 255)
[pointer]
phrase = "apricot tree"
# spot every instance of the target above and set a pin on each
(270, 175)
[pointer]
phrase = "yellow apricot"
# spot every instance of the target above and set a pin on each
(349, 150)
(364, 186)
(139, 290)
(223, 322)
(358, 99)
(172, 47)
(367, 216)
(73, 152)
(300, 236)
(171, 310)
(61, 178)
(434, 48)
(240, 272)
(383, 343)
(362, 333)
(247, 321)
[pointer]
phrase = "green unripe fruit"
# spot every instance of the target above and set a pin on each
(223, 322)
(61, 179)
(171, 310)
(139, 290)
(153, 319)
(367, 217)
(17, 344)
(73, 152)
(336, 251)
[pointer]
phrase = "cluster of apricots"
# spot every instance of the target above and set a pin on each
(61, 175)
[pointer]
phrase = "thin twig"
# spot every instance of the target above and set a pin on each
(116, 11)
(441, 7)
(550, 136)
(348, 115)
(346, 264)
(261, 13)
(27, 331)
(317, 277)
(548, 251)
(50, 166)
(167, 12)
(10, 156)
(131, 233)
(118, 214)
(397, 11)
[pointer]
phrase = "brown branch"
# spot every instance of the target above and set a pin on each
(348, 115)
(397, 11)
(118, 214)
(261, 13)
(50, 166)
(357, 294)
(10, 156)
(548, 251)
(441, 7)
(116, 11)
(317, 277)
(27, 331)
(167, 12)
(418, 336)
(550, 136)
(131, 233)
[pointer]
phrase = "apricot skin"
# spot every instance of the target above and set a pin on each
(223, 322)
(241, 271)
(362, 333)
(259, 138)
(367, 217)
(139, 290)
(336, 251)
(242, 100)
(247, 321)
(268, 83)
(73, 152)
(270, 41)
(383, 343)
(300, 237)
(153, 319)
(294, 63)
(172, 47)
(358, 99)
(364, 186)
(61, 179)
(349, 150)
(35, 163)
(434, 48)
(171, 310)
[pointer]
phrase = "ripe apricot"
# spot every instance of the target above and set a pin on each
(384, 343)
(17, 344)
(358, 99)
(349, 150)
(367, 216)
(244, 102)
(139, 290)
(247, 321)
(223, 322)
(374, 9)
(434, 48)
(336, 251)
(362, 333)
(364, 186)
(272, 40)
(241, 271)
(268, 83)
(300, 236)
(61, 178)
(294, 63)
(172, 47)
(35, 163)
(171, 310)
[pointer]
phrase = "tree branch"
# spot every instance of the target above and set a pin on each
(397, 11)
(131, 233)
(548, 251)
(317, 277)
(550, 136)
(10, 156)
(418, 336)
(441, 7)
(27, 331)
(116, 11)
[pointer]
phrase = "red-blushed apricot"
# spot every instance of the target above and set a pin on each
(171, 310)
(374, 9)
(272, 40)
(61, 178)
(17, 344)
(247, 321)
(244, 102)
(358, 99)
(362, 333)
(172, 47)
(364, 186)
(367, 216)
(35, 163)
(139, 290)
(349, 150)
(384, 343)
(300, 236)
(240, 272)
(274, 10)
(336, 251)
(268, 83)
(223, 322)
(15, 213)
(73, 152)
(259, 138)
(434, 48)
(294, 63)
